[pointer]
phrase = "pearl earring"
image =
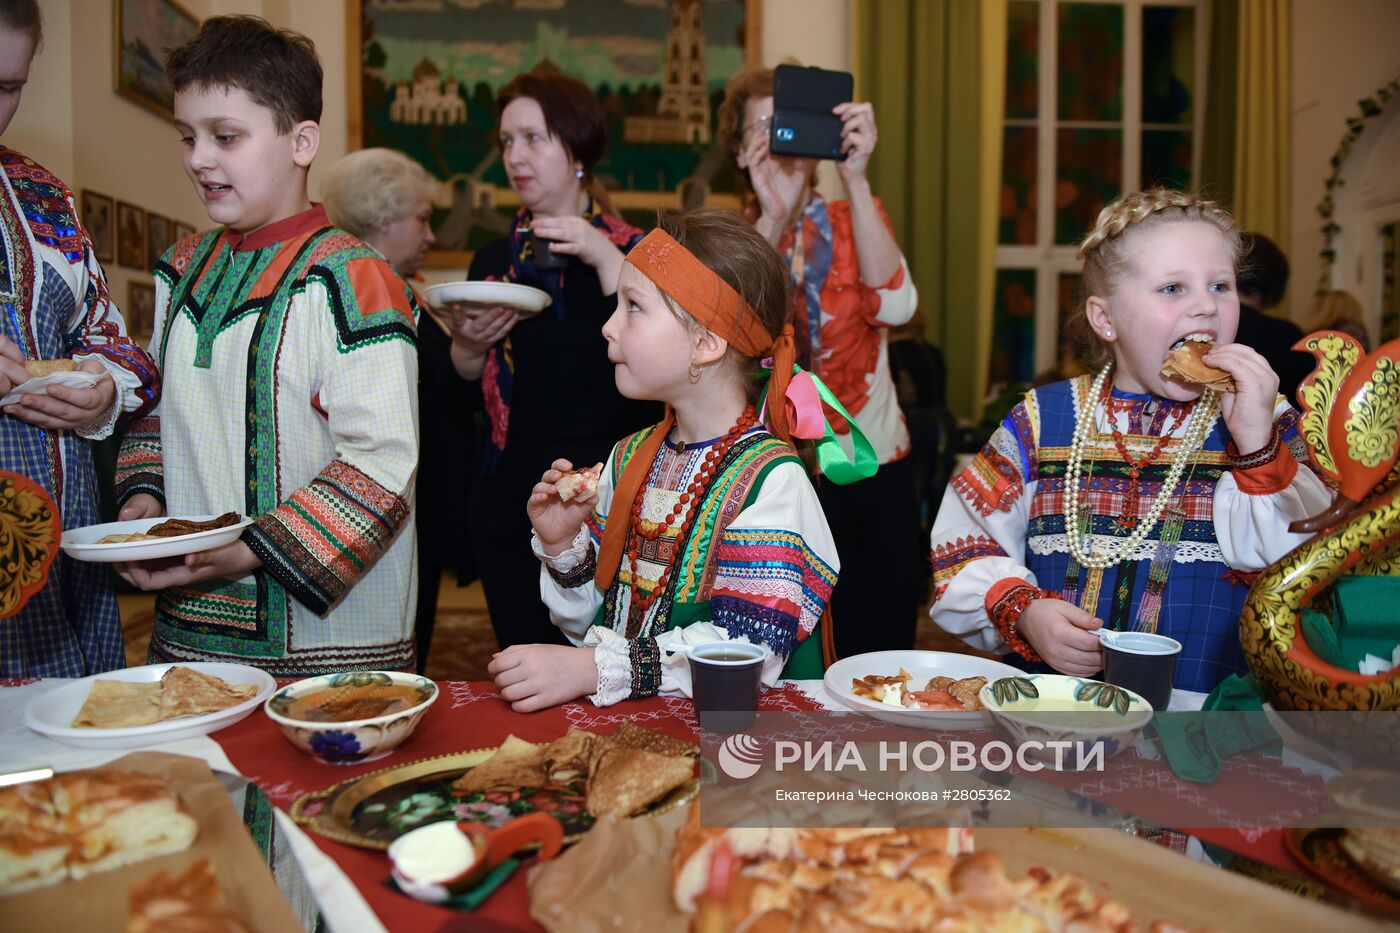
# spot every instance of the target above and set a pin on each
(1108, 334)
(578, 173)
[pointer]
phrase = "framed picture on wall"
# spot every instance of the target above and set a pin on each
(428, 75)
(140, 310)
(160, 233)
(182, 231)
(131, 236)
(99, 217)
(145, 30)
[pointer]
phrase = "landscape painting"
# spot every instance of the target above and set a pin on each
(146, 30)
(431, 69)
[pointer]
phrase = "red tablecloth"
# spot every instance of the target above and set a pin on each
(472, 715)
(466, 716)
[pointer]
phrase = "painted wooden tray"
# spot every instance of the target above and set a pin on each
(372, 810)
(1320, 852)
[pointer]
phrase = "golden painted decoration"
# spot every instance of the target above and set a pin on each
(1290, 673)
(30, 528)
(1336, 354)
(1373, 430)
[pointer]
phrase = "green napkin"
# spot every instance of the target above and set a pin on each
(1235, 694)
(1366, 620)
(472, 899)
(1196, 743)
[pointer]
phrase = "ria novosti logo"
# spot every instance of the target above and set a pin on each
(740, 756)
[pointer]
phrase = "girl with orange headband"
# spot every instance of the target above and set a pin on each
(705, 527)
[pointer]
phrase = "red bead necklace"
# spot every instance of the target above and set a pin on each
(1129, 516)
(681, 516)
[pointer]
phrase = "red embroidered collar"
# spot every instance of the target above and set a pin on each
(313, 218)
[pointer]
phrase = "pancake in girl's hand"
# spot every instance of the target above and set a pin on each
(1185, 362)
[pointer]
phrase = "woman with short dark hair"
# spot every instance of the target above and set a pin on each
(546, 380)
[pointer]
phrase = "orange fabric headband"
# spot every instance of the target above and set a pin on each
(704, 296)
(713, 302)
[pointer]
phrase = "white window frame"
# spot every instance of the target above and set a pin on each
(1048, 259)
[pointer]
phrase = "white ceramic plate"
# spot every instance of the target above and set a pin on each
(522, 299)
(51, 713)
(80, 543)
(923, 665)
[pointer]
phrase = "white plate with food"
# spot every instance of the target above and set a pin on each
(478, 296)
(168, 704)
(924, 689)
(152, 538)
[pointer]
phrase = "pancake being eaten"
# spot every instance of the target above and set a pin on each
(1184, 361)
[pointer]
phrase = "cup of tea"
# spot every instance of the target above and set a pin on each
(725, 678)
(1142, 662)
(546, 258)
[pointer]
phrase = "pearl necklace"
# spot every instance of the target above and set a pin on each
(1202, 419)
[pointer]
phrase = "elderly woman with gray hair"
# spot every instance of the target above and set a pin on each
(385, 198)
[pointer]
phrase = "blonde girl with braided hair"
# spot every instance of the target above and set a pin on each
(1128, 498)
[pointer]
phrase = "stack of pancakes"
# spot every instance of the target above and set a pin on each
(626, 771)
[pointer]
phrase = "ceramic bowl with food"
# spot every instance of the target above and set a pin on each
(1036, 709)
(344, 719)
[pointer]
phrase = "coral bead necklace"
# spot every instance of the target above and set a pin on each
(1203, 416)
(1136, 465)
(681, 516)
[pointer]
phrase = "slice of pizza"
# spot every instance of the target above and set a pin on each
(578, 484)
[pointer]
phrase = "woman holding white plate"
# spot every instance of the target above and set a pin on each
(545, 378)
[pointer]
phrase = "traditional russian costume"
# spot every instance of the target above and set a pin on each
(758, 563)
(1002, 537)
(291, 396)
(720, 540)
(54, 303)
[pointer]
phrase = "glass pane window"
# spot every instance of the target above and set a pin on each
(1166, 159)
(1088, 174)
(1016, 211)
(1013, 328)
(1090, 62)
(1022, 60)
(1067, 283)
(1168, 64)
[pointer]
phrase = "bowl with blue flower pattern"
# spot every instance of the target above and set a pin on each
(1066, 723)
(345, 719)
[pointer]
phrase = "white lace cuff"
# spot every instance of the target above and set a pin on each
(614, 659)
(101, 426)
(567, 560)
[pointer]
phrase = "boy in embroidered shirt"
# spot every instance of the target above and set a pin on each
(288, 352)
(704, 527)
(1175, 492)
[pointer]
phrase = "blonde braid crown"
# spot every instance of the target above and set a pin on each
(1104, 252)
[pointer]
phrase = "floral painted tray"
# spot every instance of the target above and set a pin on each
(374, 809)
(1320, 852)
